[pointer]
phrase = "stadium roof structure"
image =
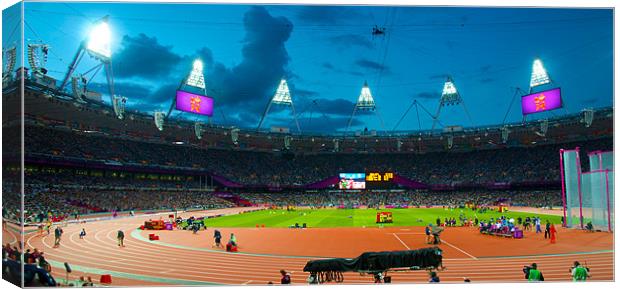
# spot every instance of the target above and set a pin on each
(138, 125)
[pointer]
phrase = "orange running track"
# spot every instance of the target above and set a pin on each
(184, 258)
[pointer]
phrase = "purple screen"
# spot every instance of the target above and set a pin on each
(194, 103)
(541, 101)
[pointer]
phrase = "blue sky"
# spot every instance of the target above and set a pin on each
(328, 52)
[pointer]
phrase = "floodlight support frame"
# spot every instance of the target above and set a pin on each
(271, 102)
(442, 103)
(106, 63)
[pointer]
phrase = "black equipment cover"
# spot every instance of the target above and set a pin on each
(379, 261)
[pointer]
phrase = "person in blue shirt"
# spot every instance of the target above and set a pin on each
(434, 278)
(218, 238)
(427, 231)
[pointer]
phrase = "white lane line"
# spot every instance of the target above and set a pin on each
(401, 241)
(455, 247)
(248, 282)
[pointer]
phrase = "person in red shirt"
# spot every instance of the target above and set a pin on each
(552, 232)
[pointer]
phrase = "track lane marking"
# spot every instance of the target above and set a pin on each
(401, 241)
(459, 249)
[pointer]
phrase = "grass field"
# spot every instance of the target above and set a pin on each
(325, 218)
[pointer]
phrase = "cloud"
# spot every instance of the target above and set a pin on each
(369, 64)
(328, 65)
(206, 56)
(333, 107)
(264, 62)
(322, 124)
(429, 95)
(349, 40)
(485, 68)
(591, 100)
(355, 73)
(486, 80)
(144, 57)
(240, 91)
(164, 94)
(327, 14)
(124, 88)
(303, 92)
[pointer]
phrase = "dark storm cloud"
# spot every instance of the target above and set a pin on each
(254, 80)
(321, 124)
(591, 100)
(298, 92)
(369, 64)
(429, 95)
(349, 40)
(485, 68)
(206, 56)
(328, 65)
(130, 90)
(144, 57)
(327, 14)
(332, 107)
(355, 73)
(147, 107)
(164, 94)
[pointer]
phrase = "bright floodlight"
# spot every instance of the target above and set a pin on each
(449, 95)
(99, 40)
(448, 88)
(365, 100)
(539, 74)
(196, 77)
(283, 95)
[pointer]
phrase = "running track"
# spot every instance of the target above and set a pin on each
(145, 263)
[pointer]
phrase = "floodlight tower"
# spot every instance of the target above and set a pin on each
(450, 96)
(539, 77)
(196, 80)
(97, 46)
(365, 102)
(281, 97)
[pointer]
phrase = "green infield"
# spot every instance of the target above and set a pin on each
(326, 218)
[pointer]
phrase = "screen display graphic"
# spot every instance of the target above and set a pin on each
(194, 103)
(352, 181)
(541, 101)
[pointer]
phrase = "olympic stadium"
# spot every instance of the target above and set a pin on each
(285, 144)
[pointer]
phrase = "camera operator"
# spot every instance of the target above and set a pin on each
(579, 273)
(532, 273)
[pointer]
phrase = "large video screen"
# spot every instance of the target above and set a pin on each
(352, 181)
(541, 101)
(194, 103)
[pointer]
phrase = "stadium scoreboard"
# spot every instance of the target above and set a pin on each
(379, 177)
(368, 180)
(380, 180)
